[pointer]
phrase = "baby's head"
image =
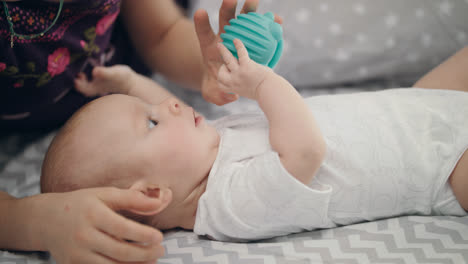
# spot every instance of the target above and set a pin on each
(121, 141)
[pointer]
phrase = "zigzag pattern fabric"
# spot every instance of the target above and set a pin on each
(409, 239)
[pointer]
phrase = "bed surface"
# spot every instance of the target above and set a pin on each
(407, 239)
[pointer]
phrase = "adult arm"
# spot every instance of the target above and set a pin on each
(294, 133)
(165, 39)
(81, 226)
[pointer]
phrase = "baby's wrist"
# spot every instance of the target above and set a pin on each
(260, 87)
(130, 79)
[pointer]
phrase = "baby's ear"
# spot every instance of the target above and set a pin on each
(163, 194)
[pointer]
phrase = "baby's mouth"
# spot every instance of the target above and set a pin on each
(197, 118)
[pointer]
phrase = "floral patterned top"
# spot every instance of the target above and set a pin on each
(36, 76)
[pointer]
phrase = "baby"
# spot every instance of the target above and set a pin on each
(302, 164)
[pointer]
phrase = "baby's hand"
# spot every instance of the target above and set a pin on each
(243, 76)
(106, 80)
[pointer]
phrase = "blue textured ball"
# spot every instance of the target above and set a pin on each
(260, 34)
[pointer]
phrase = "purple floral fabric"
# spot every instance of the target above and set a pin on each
(36, 76)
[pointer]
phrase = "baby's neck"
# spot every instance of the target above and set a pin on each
(187, 221)
(181, 213)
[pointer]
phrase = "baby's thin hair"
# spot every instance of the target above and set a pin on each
(53, 166)
(69, 148)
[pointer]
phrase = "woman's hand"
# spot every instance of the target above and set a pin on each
(83, 227)
(243, 76)
(208, 44)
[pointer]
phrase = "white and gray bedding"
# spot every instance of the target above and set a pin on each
(373, 44)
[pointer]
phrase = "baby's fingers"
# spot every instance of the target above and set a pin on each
(84, 86)
(229, 60)
(242, 52)
(225, 81)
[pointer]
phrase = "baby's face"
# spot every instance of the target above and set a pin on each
(178, 137)
(169, 142)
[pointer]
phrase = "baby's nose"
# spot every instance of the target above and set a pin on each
(174, 105)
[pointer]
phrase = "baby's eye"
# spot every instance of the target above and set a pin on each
(152, 123)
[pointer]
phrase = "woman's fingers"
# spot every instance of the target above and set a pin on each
(120, 227)
(249, 6)
(205, 33)
(226, 13)
(124, 251)
(219, 97)
(131, 200)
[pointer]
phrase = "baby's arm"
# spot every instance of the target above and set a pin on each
(121, 79)
(451, 74)
(294, 134)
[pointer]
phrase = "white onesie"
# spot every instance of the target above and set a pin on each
(389, 153)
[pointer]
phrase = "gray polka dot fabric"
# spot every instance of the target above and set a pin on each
(330, 42)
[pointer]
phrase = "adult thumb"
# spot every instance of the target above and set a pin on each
(130, 200)
(203, 28)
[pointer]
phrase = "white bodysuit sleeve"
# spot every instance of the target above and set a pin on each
(257, 199)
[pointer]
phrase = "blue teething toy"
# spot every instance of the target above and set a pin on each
(260, 34)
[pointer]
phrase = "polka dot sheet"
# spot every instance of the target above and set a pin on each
(334, 42)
